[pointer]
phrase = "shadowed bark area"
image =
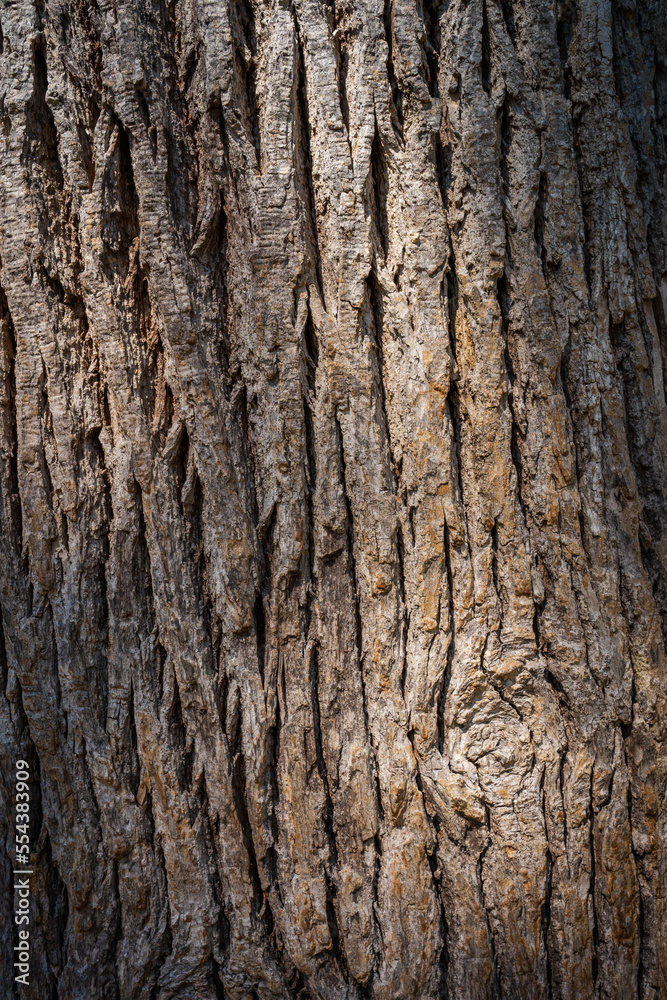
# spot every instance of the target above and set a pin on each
(333, 552)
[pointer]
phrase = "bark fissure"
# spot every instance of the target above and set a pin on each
(305, 165)
(396, 95)
(495, 984)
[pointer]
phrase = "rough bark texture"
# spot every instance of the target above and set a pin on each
(332, 493)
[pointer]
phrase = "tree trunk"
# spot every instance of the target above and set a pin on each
(332, 493)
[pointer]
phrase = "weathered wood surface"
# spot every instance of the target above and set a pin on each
(332, 496)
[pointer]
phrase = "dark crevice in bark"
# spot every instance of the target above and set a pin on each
(249, 455)
(260, 903)
(505, 135)
(53, 286)
(453, 400)
(485, 64)
(628, 753)
(661, 326)
(380, 182)
(585, 214)
(567, 21)
(634, 95)
(216, 981)
(539, 220)
(504, 291)
(45, 178)
(167, 934)
(314, 679)
(451, 645)
(396, 95)
(592, 884)
(341, 57)
(259, 621)
(312, 358)
(119, 222)
(443, 172)
(494, 985)
(179, 462)
(431, 11)
(644, 458)
(311, 484)
(47, 434)
(359, 650)
(494, 557)
(352, 568)
(58, 909)
(221, 702)
(143, 574)
(233, 723)
(182, 749)
(504, 298)
(641, 930)
(161, 658)
(376, 333)
(296, 985)
(193, 502)
(377, 315)
(55, 665)
(640, 935)
(144, 111)
(64, 531)
(93, 89)
(304, 164)
(100, 602)
(570, 394)
(328, 817)
(562, 760)
(403, 611)
(130, 758)
(436, 876)
(164, 416)
(377, 841)
(443, 960)
(625, 598)
(270, 859)
(507, 8)
(568, 16)
(545, 913)
(183, 191)
(218, 249)
(219, 945)
(10, 500)
(4, 668)
(263, 590)
(245, 52)
(411, 522)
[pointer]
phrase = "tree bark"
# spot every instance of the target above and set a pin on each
(333, 561)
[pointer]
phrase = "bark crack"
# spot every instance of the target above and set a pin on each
(396, 95)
